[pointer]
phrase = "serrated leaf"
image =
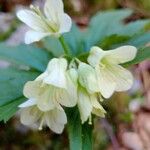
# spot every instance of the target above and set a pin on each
(142, 54)
(12, 82)
(25, 55)
(139, 40)
(113, 40)
(9, 109)
(104, 24)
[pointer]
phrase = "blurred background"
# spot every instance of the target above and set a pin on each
(127, 124)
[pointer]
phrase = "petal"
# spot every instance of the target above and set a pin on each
(31, 89)
(65, 98)
(122, 77)
(30, 115)
(96, 54)
(65, 23)
(106, 84)
(57, 72)
(84, 105)
(69, 95)
(55, 120)
(87, 77)
(46, 99)
(122, 54)
(34, 36)
(52, 10)
(97, 108)
(33, 20)
(28, 103)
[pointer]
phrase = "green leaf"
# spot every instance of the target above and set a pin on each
(106, 27)
(9, 109)
(25, 55)
(104, 24)
(142, 54)
(139, 40)
(113, 40)
(74, 129)
(12, 82)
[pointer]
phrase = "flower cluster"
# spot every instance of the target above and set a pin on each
(68, 83)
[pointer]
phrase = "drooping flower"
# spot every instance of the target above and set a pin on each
(111, 76)
(55, 119)
(89, 104)
(53, 22)
(55, 87)
(88, 97)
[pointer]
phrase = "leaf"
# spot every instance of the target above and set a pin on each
(104, 24)
(74, 129)
(142, 54)
(25, 55)
(9, 109)
(139, 40)
(113, 40)
(106, 27)
(12, 82)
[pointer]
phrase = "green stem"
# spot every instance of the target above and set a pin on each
(64, 45)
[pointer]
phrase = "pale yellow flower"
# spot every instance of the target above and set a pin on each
(53, 22)
(55, 87)
(110, 75)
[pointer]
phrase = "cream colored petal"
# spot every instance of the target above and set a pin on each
(28, 103)
(122, 77)
(46, 99)
(98, 112)
(65, 23)
(65, 98)
(106, 84)
(53, 9)
(30, 115)
(87, 77)
(84, 105)
(34, 36)
(42, 76)
(96, 54)
(32, 20)
(122, 54)
(68, 96)
(57, 72)
(55, 120)
(97, 108)
(31, 89)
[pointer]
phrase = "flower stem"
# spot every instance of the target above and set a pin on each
(64, 45)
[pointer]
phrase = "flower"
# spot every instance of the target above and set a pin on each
(88, 99)
(89, 103)
(55, 87)
(111, 76)
(55, 119)
(53, 22)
